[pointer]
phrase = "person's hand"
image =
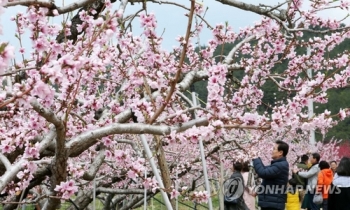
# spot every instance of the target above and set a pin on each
(252, 154)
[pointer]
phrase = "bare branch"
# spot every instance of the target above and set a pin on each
(46, 142)
(10, 174)
(16, 71)
(264, 127)
(47, 114)
(94, 167)
(28, 3)
(120, 191)
(234, 67)
(282, 15)
(89, 138)
(59, 163)
(5, 161)
(132, 143)
(50, 5)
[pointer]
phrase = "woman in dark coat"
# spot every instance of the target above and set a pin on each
(234, 188)
(339, 193)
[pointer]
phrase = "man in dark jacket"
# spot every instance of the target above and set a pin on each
(271, 193)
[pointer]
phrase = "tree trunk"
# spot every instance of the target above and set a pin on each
(164, 169)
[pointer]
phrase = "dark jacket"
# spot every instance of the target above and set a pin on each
(272, 191)
(300, 180)
(338, 198)
(241, 204)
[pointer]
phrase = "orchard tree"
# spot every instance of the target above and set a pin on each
(87, 105)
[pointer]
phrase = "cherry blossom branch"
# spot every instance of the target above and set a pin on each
(279, 86)
(50, 117)
(182, 59)
(177, 114)
(16, 71)
(190, 77)
(212, 151)
(262, 127)
(229, 57)
(184, 97)
(19, 95)
(179, 5)
(256, 9)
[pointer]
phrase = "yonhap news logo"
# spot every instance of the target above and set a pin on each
(233, 189)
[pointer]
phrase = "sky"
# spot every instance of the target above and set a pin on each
(172, 21)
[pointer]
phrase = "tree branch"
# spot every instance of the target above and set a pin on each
(282, 15)
(47, 114)
(59, 163)
(91, 173)
(178, 73)
(228, 60)
(120, 191)
(10, 174)
(50, 5)
(5, 161)
(89, 138)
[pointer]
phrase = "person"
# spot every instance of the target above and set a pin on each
(311, 175)
(333, 166)
(234, 185)
(292, 196)
(249, 182)
(339, 194)
(271, 192)
(301, 182)
(324, 180)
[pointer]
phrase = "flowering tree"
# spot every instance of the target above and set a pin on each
(73, 110)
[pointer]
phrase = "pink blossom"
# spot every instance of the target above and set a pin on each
(342, 114)
(66, 189)
(132, 174)
(6, 146)
(174, 194)
(32, 151)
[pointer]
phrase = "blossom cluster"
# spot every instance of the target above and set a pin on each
(66, 189)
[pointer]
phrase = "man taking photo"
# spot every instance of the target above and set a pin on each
(271, 195)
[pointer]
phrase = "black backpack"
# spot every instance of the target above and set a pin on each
(233, 189)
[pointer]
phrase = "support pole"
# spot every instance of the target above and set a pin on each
(155, 171)
(145, 193)
(310, 104)
(94, 197)
(176, 187)
(221, 180)
(204, 164)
